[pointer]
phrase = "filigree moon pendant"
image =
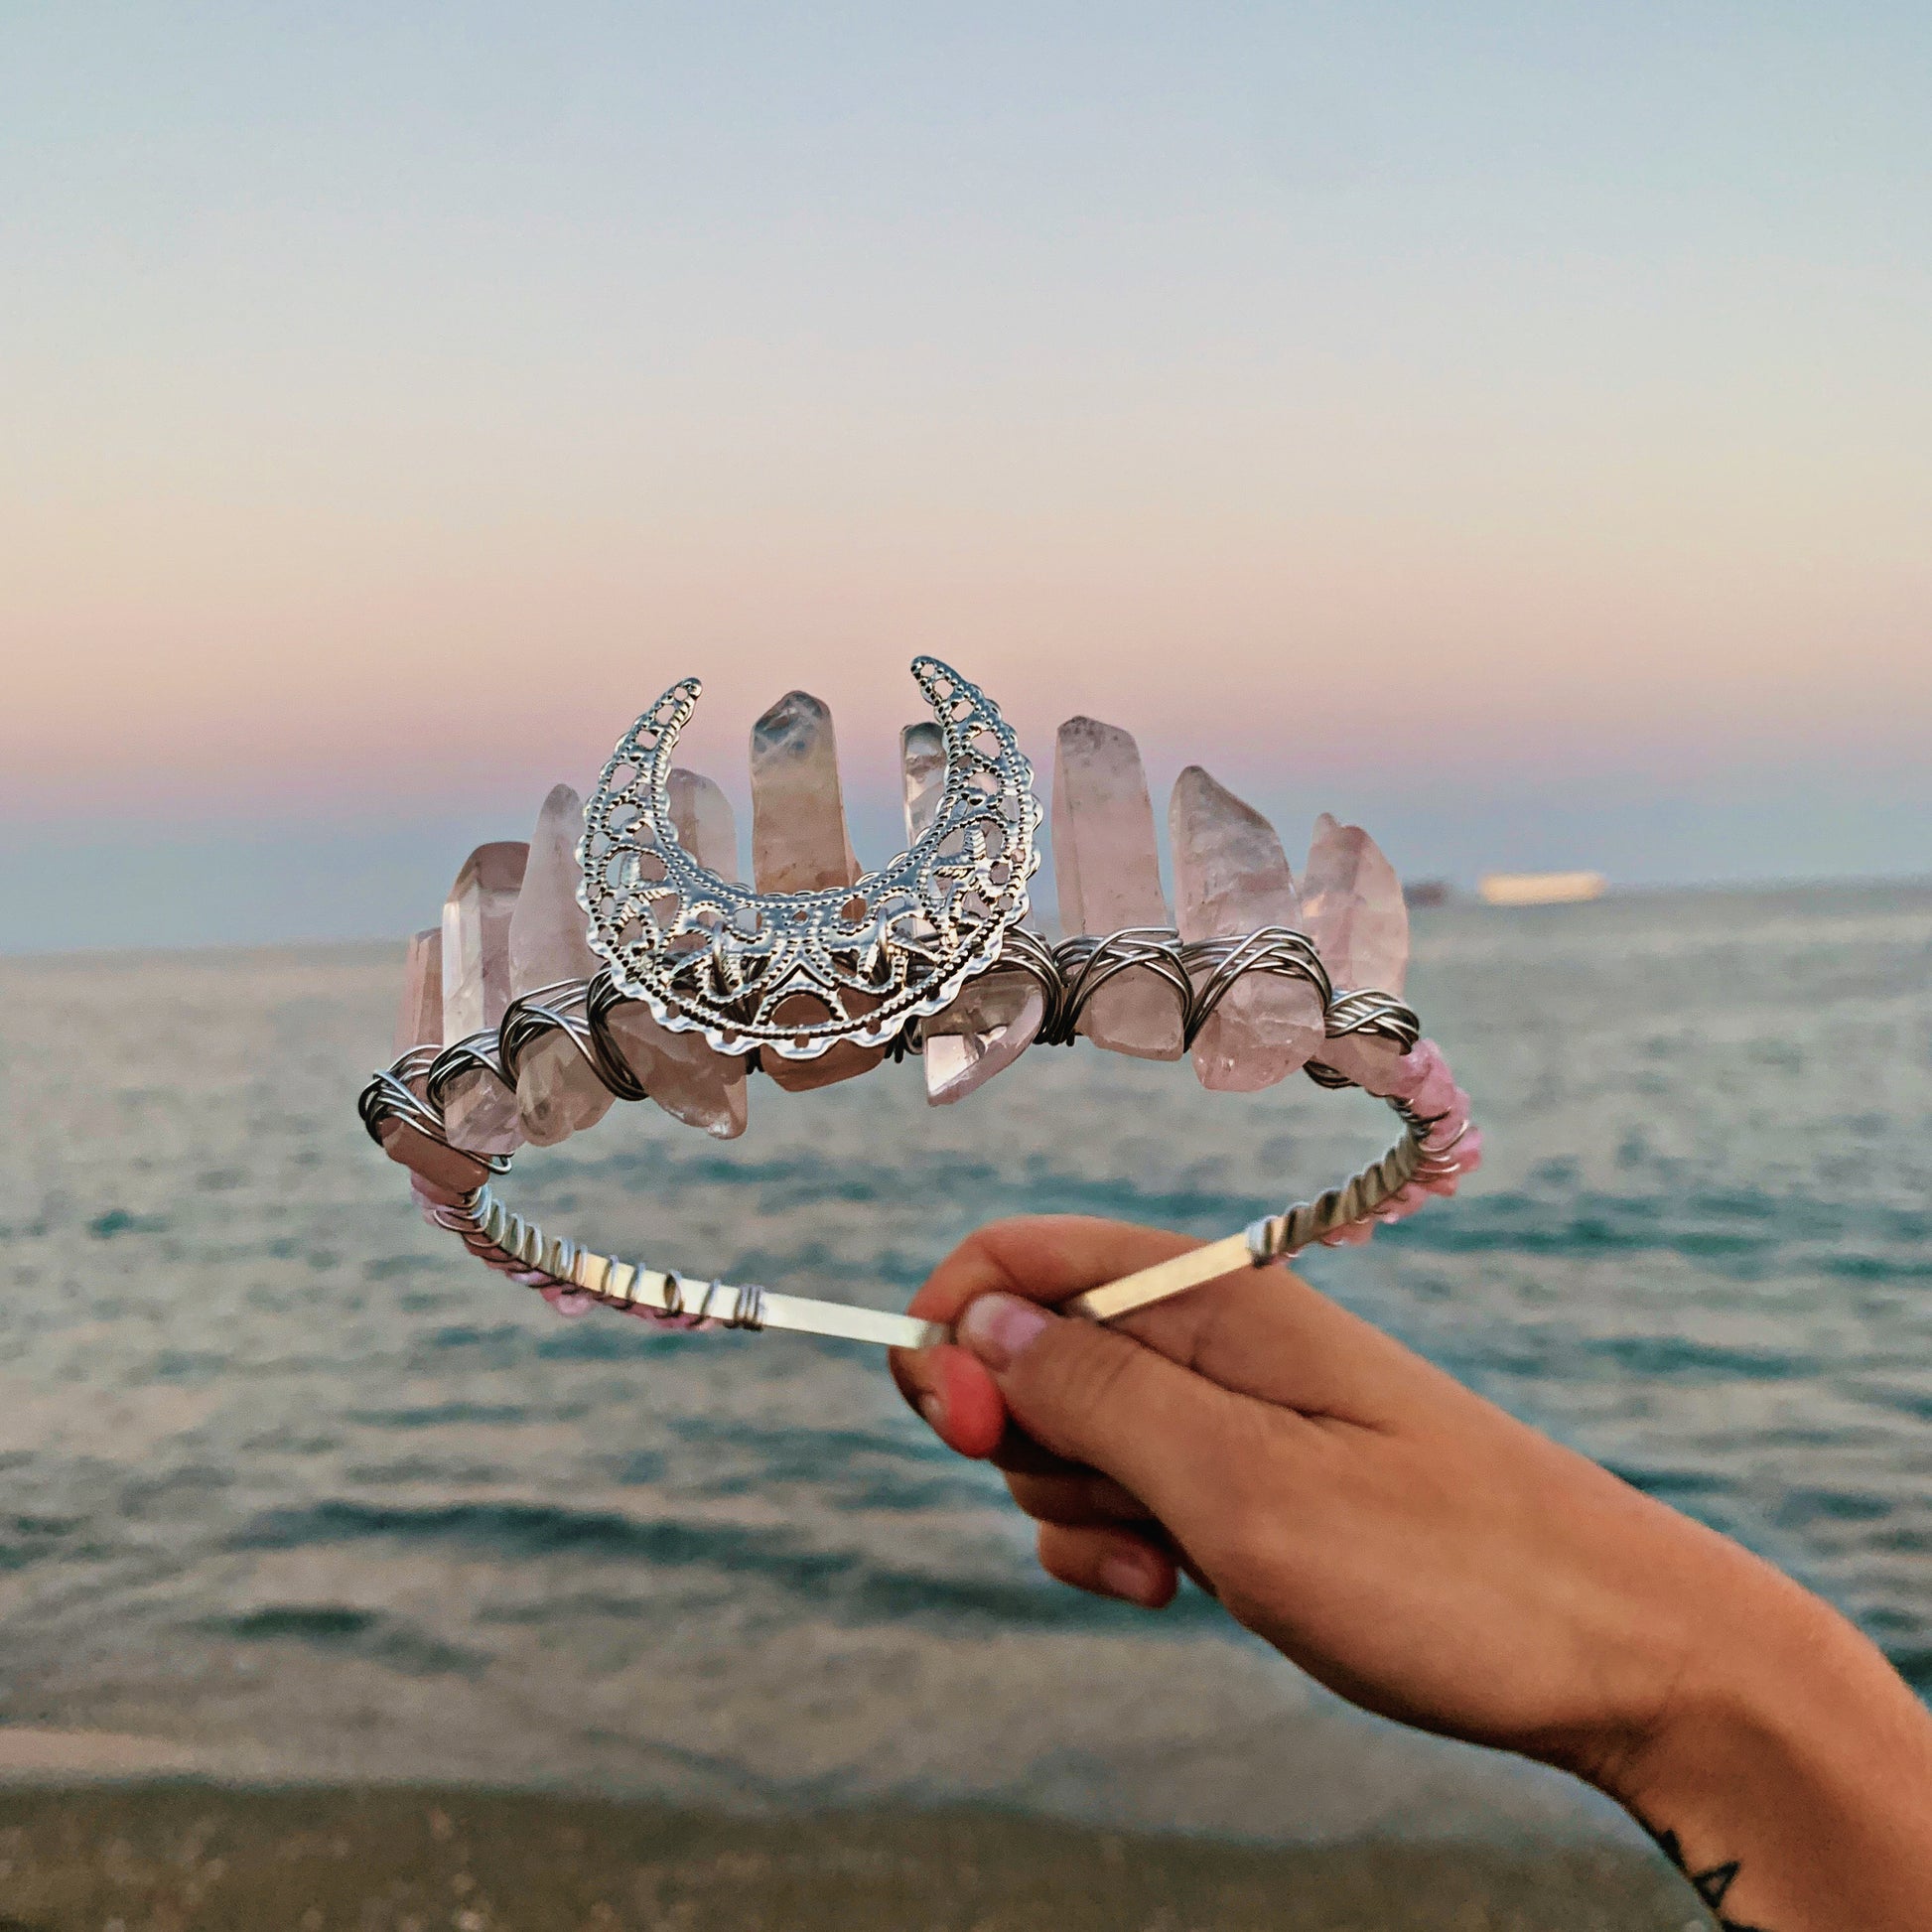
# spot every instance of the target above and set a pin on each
(794, 973)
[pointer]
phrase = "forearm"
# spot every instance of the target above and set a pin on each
(1421, 1551)
(1792, 1779)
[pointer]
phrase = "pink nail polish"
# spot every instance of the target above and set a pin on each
(1126, 1577)
(999, 1328)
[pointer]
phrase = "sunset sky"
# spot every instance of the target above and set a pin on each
(1509, 426)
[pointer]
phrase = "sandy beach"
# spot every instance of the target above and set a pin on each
(168, 1858)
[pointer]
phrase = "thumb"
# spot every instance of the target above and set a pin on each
(1096, 1396)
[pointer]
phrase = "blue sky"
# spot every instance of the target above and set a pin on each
(1511, 427)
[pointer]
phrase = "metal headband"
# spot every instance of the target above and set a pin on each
(788, 975)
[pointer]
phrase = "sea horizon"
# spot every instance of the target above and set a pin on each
(1461, 894)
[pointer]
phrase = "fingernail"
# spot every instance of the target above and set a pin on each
(999, 1328)
(932, 1407)
(1132, 1578)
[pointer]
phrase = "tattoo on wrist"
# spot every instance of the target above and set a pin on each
(1710, 1884)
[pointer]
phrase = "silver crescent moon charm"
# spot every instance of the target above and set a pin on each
(849, 962)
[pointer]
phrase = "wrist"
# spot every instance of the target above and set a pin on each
(1744, 1686)
(1787, 1744)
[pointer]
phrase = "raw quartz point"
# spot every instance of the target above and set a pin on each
(998, 1014)
(996, 1018)
(1230, 876)
(419, 1019)
(687, 1079)
(478, 1112)
(1355, 911)
(799, 844)
(558, 1092)
(1360, 922)
(419, 1023)
(922, 767)
(706, 825)
(1108, 869)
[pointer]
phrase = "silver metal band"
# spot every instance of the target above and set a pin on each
(407, 1098)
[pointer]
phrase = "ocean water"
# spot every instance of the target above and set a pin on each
(291, 1488)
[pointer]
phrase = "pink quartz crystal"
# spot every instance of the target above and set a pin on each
(476, 938)
(999, 1014)
(549, 931)
(996, 1018)
(1397, 1076)
(1230, 876)
(1434, 1094)
(1449, 1127)
(478, 1112)
(432, 1201)
(681, 1073)
(1374, 1064)
(558, 1092)
(419, 1017)
(439, 1175)
(798, 836)
(704, 822)
(1108, 870)
(1403, 1202)
(1351, 1236)
(1352, 901)
(444, 1167)
(1354, 912)
(799, 844)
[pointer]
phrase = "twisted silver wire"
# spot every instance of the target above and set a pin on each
(504, 1240)
(1084, 964)
(1199, 974)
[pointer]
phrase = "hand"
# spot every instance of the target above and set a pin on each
(1404, 1541)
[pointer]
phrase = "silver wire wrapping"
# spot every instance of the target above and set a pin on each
(1199, 973)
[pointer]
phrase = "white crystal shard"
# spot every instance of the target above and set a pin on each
(683, 1075)
(1108, 869)
(799, 844)
(478, 1112)
(1231, 877)
(558, 1093)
